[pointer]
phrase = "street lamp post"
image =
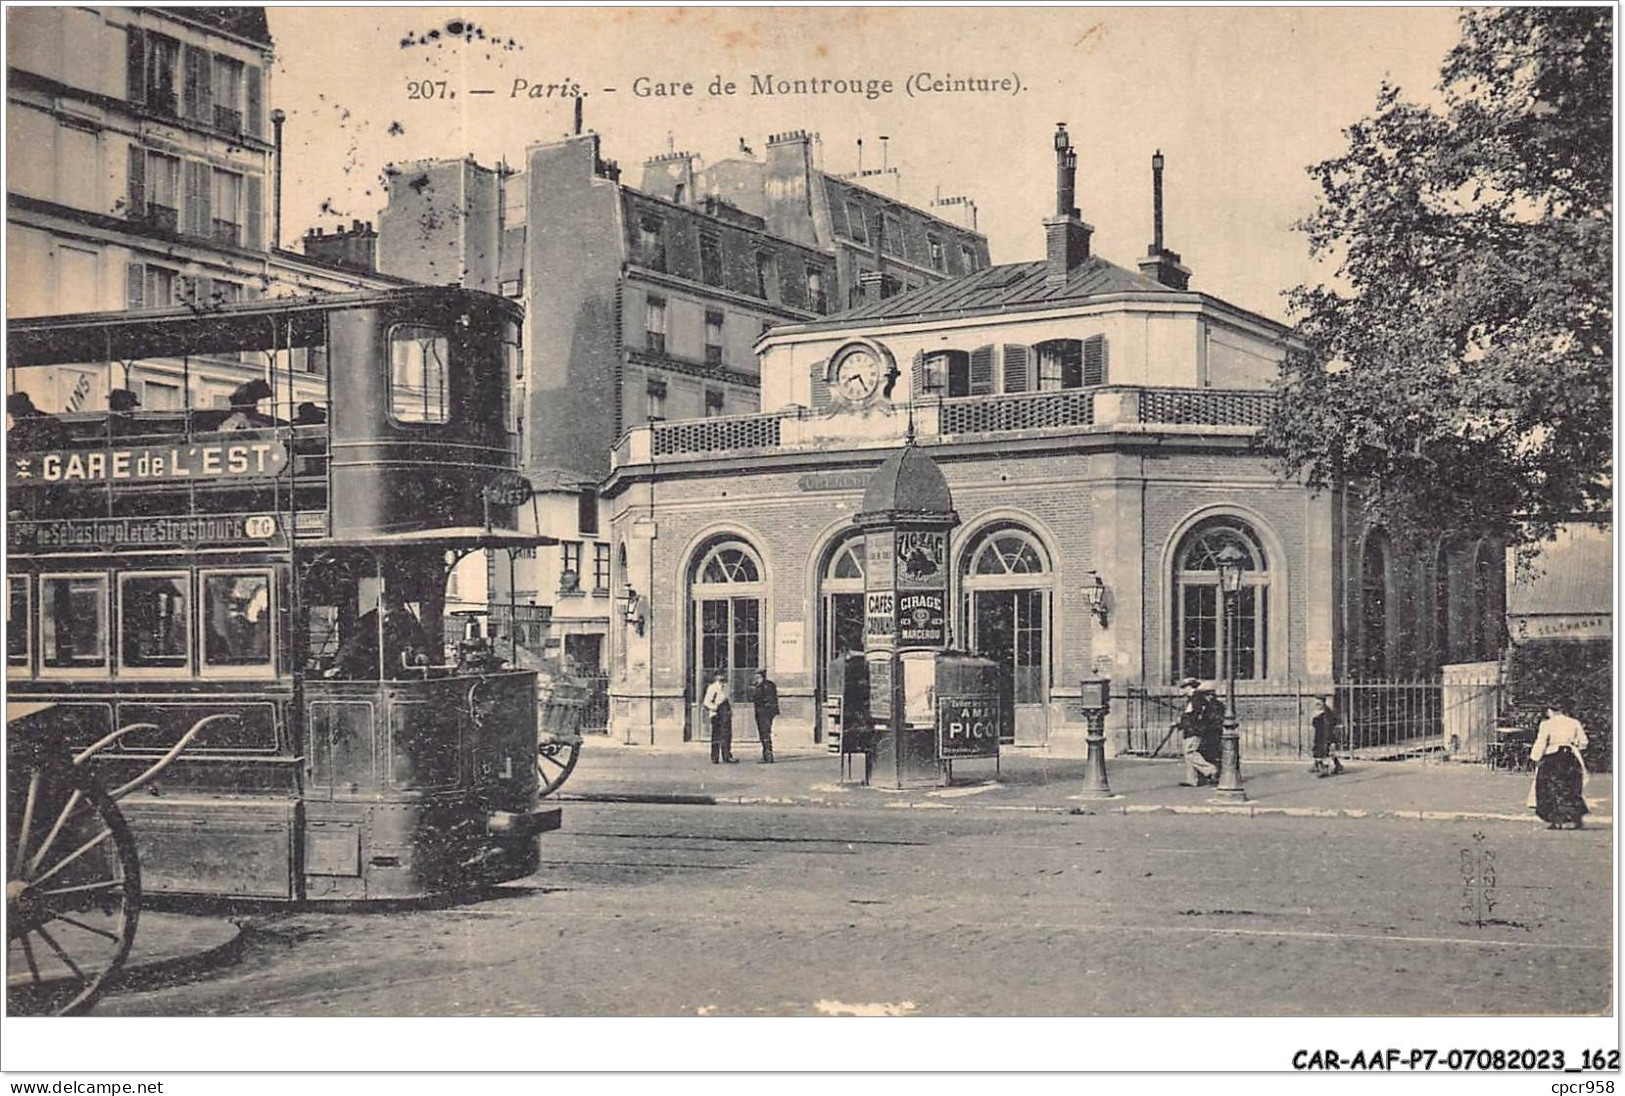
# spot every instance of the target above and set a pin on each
(1230, 561)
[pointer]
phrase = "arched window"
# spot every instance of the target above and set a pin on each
(1202, 647)
(727, 600)
(841, 618)
(847, 563)
(1374, 605)
(1441, 603)
(1006, 579)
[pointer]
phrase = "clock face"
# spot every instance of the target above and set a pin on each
(858, 375)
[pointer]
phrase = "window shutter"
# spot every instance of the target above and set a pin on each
(252, 96)
(135, 286)
(205, 86)
(916, 377)
(138, 184)
(198, 222)
(191, 89)
(1094, 361)
(135, 69)
(981, 371)
(253, 228)
(821, 400)
(1016, 373)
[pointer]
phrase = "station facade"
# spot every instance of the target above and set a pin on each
(1098, 428)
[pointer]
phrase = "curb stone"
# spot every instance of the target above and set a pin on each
(1099, 807)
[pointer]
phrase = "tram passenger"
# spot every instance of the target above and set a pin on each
(245, 412)
(27, 427)
(309, 414)
(404, 642)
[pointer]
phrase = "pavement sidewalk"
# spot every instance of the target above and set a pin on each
(1033, 780)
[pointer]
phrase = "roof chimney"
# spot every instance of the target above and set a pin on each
(1066, 236)
(1159, 263)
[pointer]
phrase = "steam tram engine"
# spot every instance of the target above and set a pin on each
(270, 580)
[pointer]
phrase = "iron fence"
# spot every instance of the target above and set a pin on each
(1377, 720)
(595, 715)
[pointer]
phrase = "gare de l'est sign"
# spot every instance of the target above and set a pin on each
(149, 464)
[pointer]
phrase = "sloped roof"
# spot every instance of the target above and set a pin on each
(1013, 287)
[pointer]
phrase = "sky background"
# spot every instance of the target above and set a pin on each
(1240, 101)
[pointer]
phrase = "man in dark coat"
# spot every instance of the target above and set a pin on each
(1193, 731)
(767, 707)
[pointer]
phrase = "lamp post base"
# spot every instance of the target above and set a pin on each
(1230, 789)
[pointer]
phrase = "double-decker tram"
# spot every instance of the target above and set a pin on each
(236, 618)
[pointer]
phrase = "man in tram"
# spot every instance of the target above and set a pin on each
(404, 643)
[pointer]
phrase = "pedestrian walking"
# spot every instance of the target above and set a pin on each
(720, 711)
(1560, 772)
(1193, 722)
(767, 707)
(1325, 749)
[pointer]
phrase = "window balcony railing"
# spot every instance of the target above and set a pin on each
(227, 232)
(228, 119)
(162, 216)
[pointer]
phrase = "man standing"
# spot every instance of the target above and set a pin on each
(1193, 723)
(721, 715)
(767, 706)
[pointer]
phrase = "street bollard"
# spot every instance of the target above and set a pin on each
(1095, 695)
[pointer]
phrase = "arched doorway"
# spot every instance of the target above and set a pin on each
(726, 598)
(840, 613)
(1006, 579)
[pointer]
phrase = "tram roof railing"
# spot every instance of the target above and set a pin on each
(270, 323)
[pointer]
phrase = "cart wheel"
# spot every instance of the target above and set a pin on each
(556, 757)
(73, 889)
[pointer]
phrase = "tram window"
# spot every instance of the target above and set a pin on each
(18, 621)
(417, 374)
(73, 621)
(153, 631)
(236, 620)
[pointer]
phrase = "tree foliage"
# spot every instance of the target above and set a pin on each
(1459, 367)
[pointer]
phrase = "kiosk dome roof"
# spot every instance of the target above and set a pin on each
(908, 482)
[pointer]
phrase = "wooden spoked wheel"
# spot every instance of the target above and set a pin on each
(556, 756)
(73, 888)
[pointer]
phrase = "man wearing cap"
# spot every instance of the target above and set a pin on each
(1193, 722)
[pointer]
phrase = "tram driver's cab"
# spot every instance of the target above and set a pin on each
(374, 617)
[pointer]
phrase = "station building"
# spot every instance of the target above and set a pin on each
(1098, 427)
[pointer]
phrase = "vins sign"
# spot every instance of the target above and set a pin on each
(967, 726)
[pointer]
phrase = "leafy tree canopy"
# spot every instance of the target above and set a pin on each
(1460, 366)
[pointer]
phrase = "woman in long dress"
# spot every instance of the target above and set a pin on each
(1560, 773)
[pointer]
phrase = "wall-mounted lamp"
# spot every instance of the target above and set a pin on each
(634, 610)
(1094, 595)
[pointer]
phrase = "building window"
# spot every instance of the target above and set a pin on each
(228, 100)
(713, 338)
(710, 260)
(587, 512)
(946, 373)
(19, 621)
(418, 375)
(815, 290)
(1201, 645)
(892, 237)
(939, 261)
(967, 257)
(227, 204)
(73, 622)
(1374, 606)
(767, 276)
(856, 227)
(162, 56)
(237, 621)
(1060, 365)
(652, 242)
(163, 190)
(656, 395)
(153, 616)
(600, 568)
(570, 567)
(654, 324)
(158, 288)
(713, 402)
(1006, 584)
